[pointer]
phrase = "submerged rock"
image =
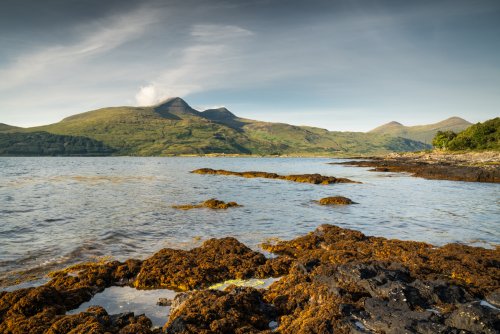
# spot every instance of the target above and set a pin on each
(211, 204)
(335, 200)
(302, 178)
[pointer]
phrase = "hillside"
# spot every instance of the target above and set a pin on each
(47, 144)
(7, 127)
(423, 133)
(480, 136)
(173, 127)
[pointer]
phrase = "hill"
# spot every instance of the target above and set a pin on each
(423, 133)
(7, 127)
(173, 128)
(43, 144)
(480, 136)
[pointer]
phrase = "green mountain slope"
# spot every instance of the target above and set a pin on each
(43, 144)
(480, 136)
(423, 133)
(7, 127)
(173, 127)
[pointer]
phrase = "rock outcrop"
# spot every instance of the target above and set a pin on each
(302, 178)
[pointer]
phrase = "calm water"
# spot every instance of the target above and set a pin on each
(57, 211)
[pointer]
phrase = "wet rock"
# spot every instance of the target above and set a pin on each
(35, 310)
(475, 318)
(474, 267)
(179, 300)
(217, 260)
(302, 178)
(164, 302)
(335, 200)
(494, 298)
(432, 169)
(235, 310)
(211, 204)
(335, 281)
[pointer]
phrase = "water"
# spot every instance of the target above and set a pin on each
(117, 299)
(58, 211)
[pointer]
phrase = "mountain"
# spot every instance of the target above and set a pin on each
(43, 144)
(173, 127)
(7, 127)
(423, 133)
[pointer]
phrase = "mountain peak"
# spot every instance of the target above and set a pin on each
(218, 114)
(455, 119)
(174, 107)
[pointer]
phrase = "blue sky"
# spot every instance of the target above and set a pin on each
(340, 65)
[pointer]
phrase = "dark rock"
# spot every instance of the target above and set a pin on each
(302, 178)
(211, 204)
(475, 318)
(438, 170)
(164, 302)
(494, 298)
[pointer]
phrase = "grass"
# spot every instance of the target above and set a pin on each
(142, 131)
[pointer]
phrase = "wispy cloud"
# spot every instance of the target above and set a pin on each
(97, 38)
(212, 54)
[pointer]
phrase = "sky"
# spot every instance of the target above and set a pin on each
(341, 65)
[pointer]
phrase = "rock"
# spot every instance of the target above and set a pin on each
(475, 318)
(179, 300)
(438, 168)
(494, 298)
(217, 260)
(211, 204)
(302, 178)
(334, 280)
(235, 310)
(164, 302)
(335, 200)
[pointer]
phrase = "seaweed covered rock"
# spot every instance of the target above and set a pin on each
(34, 310)
(210, 204)
(235, 310)
(376, 297)
(96, 320)
(477, 267)
(335, 200)
(345, 282)
(215, 261)
(302, 178)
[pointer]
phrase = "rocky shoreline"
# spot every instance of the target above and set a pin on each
(471, 167)
(334, 280)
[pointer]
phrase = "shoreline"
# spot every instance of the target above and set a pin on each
(462, 166)
(333, 279)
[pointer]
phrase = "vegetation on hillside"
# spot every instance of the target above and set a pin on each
(174, 128)
(480, 136)
(423, 133)
(47, 144)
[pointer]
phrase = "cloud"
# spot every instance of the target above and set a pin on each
(214, 52)
(97, 38)
(211, 32)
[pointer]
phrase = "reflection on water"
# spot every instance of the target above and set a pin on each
(58, 211)
(126, 299)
